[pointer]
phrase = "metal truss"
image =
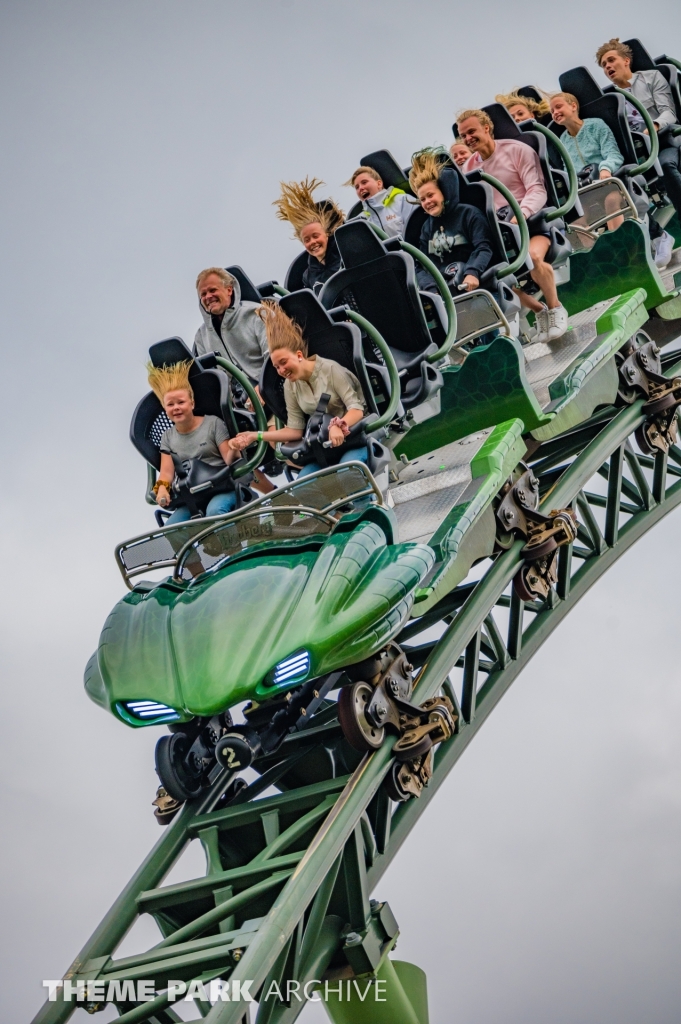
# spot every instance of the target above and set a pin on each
(289, 875)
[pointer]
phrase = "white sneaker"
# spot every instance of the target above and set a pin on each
(541, 323)
(558, 322)
(663, 249)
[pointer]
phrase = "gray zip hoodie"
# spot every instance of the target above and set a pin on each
(389, 210)
(242, 338)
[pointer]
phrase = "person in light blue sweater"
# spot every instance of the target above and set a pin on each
(589, 142)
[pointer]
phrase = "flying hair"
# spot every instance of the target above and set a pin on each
(515, 99)
(163, 379)
(282, 331)
(426, 165)
(614, 44)
(297, 205)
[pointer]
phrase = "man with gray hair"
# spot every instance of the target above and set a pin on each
(231, 326)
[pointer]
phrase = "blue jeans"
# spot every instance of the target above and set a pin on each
(218, 505)
(353, 455)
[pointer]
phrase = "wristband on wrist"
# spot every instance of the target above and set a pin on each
(260, 433)
(159, 484)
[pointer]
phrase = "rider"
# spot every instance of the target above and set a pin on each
(591, 146)
(459, 152)
(230, 326)
(652, 90)
(454, 235)
(314, 224)
(191, 437)
(523, 108)
(306, 379)
(517, 166)
(388, 209)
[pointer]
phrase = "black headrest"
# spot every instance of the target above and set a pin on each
(504, 125)
(305, 308)
(641, 59)
(530, 92)
(170, 351)
(358, 244)
(385, 164)
(581, 83)
(248, 290)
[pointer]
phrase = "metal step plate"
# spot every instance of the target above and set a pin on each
(431, 485)
(546, 361)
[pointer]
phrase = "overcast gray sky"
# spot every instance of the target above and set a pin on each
(141, 141)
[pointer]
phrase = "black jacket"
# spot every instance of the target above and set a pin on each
(318, 272)
(460, 235)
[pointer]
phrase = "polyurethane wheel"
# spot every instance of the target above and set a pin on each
(642, 441)
(393, 786)
(539, 550)
(422, 746)
(520, 586)
(359, 732)
(657, 405)
(175, 777)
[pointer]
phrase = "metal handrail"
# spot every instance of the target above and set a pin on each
(381, 344)
(259, 454)
(569, 167)
(652, 132)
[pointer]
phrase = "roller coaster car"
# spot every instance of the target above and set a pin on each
(195, 481)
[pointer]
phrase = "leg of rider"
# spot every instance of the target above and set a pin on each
(670, 157)
(355, 455)
(542, 273)
(311, 467)
(220, 504)
(180, 515)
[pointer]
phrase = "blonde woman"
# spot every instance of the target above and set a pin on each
(306, 379)
(314, 224)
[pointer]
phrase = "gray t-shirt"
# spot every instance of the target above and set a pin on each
(202, 443)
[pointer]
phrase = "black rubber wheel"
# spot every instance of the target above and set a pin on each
(520, 586)
(535, 551)
(643, 442)
(416, 750)
(393, 787)
(175, 777)
(658, 405)
(358, 731)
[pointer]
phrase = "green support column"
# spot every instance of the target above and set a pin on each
(403, 997)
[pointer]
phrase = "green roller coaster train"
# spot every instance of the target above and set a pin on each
(323, 654)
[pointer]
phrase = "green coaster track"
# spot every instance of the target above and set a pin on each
(298, 868)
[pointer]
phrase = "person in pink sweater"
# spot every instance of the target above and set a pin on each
(517, 166)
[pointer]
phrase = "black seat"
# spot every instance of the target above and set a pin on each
(531, 92)
(211, 394)
(392, 176)
(379, 282)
